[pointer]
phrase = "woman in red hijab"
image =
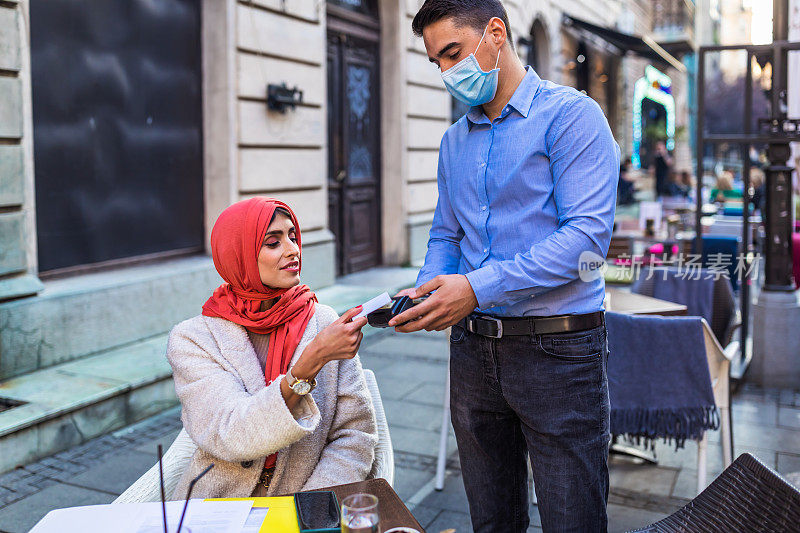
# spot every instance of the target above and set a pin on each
(269, 379)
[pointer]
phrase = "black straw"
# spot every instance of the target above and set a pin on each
(161, 482)
(189, 494)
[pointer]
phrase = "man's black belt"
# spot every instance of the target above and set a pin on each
(496, 328)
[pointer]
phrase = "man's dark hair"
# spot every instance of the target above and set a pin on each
(474, 13)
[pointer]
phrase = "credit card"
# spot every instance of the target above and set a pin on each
(375, 304)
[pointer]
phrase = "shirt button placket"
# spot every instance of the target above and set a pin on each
(484, 197)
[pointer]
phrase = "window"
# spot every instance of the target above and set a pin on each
(117, 127)
(365, 7)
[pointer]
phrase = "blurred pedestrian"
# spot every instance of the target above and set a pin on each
(681, 184)
(662, 164)
(757, 189)
(625, 188)
(723, 188)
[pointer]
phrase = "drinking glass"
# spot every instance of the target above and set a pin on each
(360, 514)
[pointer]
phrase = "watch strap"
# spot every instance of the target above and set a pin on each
(293, 380)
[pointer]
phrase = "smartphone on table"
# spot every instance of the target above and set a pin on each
(317, 512)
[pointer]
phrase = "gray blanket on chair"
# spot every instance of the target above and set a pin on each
(695, 291)
(658, 379)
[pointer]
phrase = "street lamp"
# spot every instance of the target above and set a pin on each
(776, 348)
(778, 225)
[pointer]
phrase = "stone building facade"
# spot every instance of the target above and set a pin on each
(356, 156)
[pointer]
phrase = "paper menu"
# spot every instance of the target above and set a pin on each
(201, 517)
(282, 516)
(255, 519)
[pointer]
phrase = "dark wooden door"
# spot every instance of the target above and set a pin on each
(354, 196)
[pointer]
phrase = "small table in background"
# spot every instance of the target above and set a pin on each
(630, 303)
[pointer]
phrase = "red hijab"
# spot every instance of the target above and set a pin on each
(236, 240)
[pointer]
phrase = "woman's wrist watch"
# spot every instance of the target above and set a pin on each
(301, 387)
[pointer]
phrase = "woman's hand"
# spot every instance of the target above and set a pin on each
(339, 340)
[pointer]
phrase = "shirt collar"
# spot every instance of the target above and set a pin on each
(475, 115)
(521, 100)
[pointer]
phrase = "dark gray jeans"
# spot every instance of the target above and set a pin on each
(543, 394)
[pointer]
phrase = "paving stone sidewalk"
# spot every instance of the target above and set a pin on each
(411, 372)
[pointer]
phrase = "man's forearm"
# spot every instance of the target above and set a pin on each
(548, 264)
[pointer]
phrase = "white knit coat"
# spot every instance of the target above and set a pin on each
(237, 421)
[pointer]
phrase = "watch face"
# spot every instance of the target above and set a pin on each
(302, 388)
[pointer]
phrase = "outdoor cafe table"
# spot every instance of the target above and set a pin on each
(393, 513)
(624, 301)
(391, 509)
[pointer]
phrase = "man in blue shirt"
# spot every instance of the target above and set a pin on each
(527, 188)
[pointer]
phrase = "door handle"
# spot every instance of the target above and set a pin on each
(341, 175)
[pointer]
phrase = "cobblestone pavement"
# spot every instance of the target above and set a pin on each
(67, 465)
(411, 372)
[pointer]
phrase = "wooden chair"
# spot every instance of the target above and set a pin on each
(719, 372)
(619, 247)
(179, 455)
(719, 363)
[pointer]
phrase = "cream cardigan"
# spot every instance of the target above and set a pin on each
(237, 421)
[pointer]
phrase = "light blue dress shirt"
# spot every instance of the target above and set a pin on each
(522, 197)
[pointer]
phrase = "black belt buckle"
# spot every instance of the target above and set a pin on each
(473, 324)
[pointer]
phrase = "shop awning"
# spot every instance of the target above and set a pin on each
(633, 43)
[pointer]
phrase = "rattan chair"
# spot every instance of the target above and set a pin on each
(748, 497)
(179, 455)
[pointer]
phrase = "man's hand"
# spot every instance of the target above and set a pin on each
(410, 292)
(452, 301)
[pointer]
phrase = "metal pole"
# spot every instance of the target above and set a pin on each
(780, 20)
(441, 459)
(746, 237)
(701, 110)
(778, 223)
(778, 220)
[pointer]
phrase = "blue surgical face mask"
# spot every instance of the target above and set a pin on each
(467, 81)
